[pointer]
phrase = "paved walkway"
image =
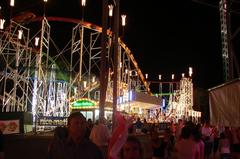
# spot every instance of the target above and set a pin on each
(26, 146)
(31, 146)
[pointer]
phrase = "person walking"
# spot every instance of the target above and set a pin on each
(208, 138)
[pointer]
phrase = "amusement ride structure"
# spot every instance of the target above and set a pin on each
(37, 76)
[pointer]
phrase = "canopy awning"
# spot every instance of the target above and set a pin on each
(145, 101)
(224, 104)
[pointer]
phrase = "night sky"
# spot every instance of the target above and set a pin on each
(165, 37)
(174, 36)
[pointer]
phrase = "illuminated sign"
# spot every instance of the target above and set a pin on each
(82, 103)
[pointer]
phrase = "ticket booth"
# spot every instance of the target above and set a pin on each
(90, 108)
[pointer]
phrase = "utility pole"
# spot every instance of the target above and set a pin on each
(103, 65)
(116, 63)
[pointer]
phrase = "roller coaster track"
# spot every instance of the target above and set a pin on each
(98, 29)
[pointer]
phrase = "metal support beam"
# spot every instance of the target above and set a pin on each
(103, 68)
(116, 63)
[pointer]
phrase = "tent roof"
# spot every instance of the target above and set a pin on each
(224, 104)
(146, 101)
(224, 84)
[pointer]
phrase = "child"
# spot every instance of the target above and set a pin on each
(224, 146)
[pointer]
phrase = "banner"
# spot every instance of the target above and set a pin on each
(9, 126)
(224, 104)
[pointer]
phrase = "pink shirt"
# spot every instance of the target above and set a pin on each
(187, 149)
(201, 148)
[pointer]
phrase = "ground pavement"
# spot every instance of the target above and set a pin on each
(34, 146)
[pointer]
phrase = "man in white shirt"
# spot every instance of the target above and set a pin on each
(208, 138)
(100, 135)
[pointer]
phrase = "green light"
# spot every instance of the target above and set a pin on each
(83, 103)
(163, 94)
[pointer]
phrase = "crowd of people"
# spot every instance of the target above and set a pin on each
(188, 140)
(82, 138)
(182, 140)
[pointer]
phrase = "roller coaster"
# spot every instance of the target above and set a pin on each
(41, 77)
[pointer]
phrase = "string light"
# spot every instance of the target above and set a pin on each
(160, 77)
(83, 3)
(123, 19)
(12, 3)
(110, 7)
(20, 34)
(36, 43)
(146, 75)
(190, 71)
(2, 21)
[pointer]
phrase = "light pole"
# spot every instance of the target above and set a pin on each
(44, 7)
(160, 85)
(123, 17)
(116, 58)
(2, 21)
(129, 74)
(171, 84)
(110, 14)
(103, 66)
(12, 3)
(83, 3)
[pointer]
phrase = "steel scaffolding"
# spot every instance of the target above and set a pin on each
(43, 79)
(15, 57)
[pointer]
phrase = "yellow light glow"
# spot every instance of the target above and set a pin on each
(12, 3)
(93, 79)
(130, 73)
(83, 3)
(110, 12)
(84, 84)
(2, 21)
(123, 19)
(146, 76)
(20, 34)
(36, 41)
(190, 71)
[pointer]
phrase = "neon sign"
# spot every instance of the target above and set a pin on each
(82, 103)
